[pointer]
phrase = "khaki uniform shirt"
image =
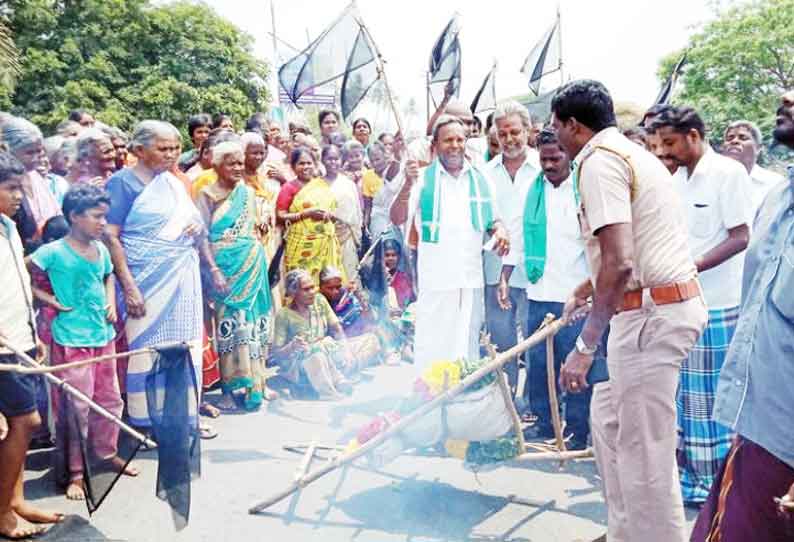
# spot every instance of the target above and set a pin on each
(622, 183)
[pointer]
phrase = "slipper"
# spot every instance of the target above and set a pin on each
(37, 534)
(207, 433)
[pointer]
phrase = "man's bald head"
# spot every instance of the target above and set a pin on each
(458, 109)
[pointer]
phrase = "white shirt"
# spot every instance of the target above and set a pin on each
(566, 264)
(380, 220)
(716, 198)
(508, 197)
(16, 300)
(455, 261)
(763, 181)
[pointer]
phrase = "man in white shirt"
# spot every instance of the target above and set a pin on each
(548, 258)
(512, 171)
(715, 191)
(450, 207)
(742, 142)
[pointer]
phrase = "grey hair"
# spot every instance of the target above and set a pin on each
(222, 150)
(18, 133)
(147, 131)
(512, 107)
(66, 126)
(329, 272)
(755, 132)
(88, 140)
(251, 138)
(445, 120)
(375, 146)
(115, 133)
(293, 280)
(53, 145)
(350, 147)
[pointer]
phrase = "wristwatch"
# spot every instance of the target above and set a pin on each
(582, 347)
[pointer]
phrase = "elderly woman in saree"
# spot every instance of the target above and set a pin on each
(349, 218)
(262, 179)
(306, 207)
(309, 345)
(153, 233)
(95, 160)
(236, 259)
(24, 140)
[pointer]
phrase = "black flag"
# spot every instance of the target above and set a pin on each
(666, 91)
(544, 58)
(345, 50)
(445, 63)
(485, 99)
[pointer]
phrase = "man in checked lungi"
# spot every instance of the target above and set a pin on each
(718, 199)
(753, 495)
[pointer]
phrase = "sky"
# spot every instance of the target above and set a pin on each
(618, 42)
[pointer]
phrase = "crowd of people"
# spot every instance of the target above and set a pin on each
(289, 261)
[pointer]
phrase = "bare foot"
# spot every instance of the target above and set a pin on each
(75, 490)
(36, 515)
(14, 527)
(271, 395)
(129, 470)
(209, 410)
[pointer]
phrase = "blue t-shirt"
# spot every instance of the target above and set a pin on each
(124, 187)
(79, 284)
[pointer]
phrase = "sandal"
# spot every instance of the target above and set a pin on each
(206, 432)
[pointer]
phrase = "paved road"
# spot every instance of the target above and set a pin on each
(413, 499)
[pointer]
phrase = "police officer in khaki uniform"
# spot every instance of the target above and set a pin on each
(644, 286)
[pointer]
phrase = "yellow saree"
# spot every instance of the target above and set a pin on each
(313, 244)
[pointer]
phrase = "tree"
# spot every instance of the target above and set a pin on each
(127, 60)
(9, 61)
(738, 65)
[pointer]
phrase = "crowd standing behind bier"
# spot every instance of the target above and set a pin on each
(290, 261)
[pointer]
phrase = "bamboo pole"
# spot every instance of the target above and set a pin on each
(445, 397)
(71, 390)
(507, 396)
(551, 380)
(382, 73)
(41, 369)
(555, 456)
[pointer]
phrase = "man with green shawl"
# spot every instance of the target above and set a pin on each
(451, 210)
(548, 253)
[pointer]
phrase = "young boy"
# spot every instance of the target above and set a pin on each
(17, 392)
(81, 273)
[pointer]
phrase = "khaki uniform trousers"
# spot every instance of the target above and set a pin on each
(633, 419)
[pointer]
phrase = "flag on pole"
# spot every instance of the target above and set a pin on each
(485, 99)
(666, 92)
(544, 58)
(445, 62)
(343, 50)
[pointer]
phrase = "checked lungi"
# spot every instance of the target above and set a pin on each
(703, 443)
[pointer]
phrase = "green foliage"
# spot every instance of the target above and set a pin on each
(128, 60)
(738, 65)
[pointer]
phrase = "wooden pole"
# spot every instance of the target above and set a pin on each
(71, 390)
(555, 456)
(507, 396)
(41, 369)
(551, 380)
(382, 73)
(419, 413)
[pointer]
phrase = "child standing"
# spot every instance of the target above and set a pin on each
(17, 391)
(81, 274)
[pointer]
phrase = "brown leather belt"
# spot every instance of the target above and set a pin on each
(663, 295)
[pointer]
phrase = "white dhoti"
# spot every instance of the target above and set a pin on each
(448, 324)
